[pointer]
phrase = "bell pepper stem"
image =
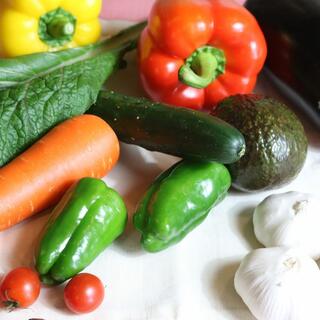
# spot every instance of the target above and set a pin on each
(202, 67)
(60, 28)
(57, 27)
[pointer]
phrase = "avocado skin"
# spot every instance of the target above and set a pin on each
(276, 144)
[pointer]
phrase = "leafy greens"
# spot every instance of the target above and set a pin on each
(40, 90)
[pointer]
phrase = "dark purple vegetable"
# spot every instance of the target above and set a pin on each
(292, 29)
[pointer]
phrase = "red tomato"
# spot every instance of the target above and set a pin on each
(20, 288)
(84, 293)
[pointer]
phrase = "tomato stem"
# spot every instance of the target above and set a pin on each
(11, 305)
(202, 67)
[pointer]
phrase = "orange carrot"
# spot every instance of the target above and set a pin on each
(84, 146)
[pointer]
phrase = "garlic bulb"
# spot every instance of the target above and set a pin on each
(279, 284)
(289, 219)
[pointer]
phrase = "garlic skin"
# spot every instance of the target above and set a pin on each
(279, 284)
(290, 219)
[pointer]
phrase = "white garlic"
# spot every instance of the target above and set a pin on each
(279, 284)
(289, 219)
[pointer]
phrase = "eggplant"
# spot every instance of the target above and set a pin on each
(292, 29)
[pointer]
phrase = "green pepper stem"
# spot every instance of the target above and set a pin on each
(202, 67)
(60, 28)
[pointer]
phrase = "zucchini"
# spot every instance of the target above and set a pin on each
(177, 131)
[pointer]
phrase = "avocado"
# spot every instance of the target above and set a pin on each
(276, 144)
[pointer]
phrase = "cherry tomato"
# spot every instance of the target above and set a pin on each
(20, 288)
(84, 293)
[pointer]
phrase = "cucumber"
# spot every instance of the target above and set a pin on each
(176, 131)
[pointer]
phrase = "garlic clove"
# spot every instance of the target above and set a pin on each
(279, 284)
(289, 219)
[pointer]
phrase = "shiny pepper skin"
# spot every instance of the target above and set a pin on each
(88, 219)
(178, 201)
(29, 26)
(194, 53)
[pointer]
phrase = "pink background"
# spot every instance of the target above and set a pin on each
(128, 9)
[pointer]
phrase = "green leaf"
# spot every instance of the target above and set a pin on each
(39, 91)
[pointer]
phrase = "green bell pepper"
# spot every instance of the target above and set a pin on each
(88, 218)
(178, 201)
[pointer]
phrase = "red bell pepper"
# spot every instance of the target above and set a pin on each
(194, 53)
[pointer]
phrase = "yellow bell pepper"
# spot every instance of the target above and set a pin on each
(28, 26)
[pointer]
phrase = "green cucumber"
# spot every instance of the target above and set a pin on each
(177, 131)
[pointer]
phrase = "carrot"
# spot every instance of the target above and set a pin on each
(84, 146)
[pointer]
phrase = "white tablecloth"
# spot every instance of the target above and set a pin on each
(192, 280)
